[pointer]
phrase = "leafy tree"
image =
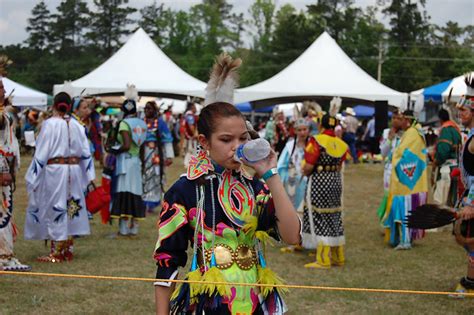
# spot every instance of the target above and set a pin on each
(155, 20)
(68, 25)
(38, 27)
(109, 22)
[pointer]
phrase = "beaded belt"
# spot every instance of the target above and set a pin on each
(328, 168)
(244, 256)
(64, 160)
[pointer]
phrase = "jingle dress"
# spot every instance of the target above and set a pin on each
(221, 209)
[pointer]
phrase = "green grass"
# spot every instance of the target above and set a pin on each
(435, 263)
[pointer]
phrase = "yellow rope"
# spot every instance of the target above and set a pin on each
(290, 286)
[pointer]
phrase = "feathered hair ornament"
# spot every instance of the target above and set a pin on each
(335, 106)
(131, 92)
(223, 80)
(467, 100)
(5, 62)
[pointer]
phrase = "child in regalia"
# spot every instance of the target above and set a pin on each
(225, 214)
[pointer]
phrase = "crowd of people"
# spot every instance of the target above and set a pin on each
(226, 211)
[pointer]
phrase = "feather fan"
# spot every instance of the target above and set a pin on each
(223, 80)
(430, 216)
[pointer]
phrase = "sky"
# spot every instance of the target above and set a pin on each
(15, 13)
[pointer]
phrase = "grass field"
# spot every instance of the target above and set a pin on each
(434, 264)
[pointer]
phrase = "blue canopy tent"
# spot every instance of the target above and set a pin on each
(247, 108)
(363, 111)
(434, 93)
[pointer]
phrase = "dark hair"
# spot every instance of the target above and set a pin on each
(62, 102)
(129, 107)
(210, 113)
(328, 122)
(443, 114)
(152, 103)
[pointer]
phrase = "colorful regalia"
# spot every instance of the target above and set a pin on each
(127, 202)
(322, 219)
(446, 155)
(157, 148)
(9, 161)
(408, 187)
(387, 147)
(226, 215)
(59, 173)
(464, 229)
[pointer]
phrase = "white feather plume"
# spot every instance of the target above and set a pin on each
(335, 106)
(223, 80)
(469, 80)
(131, 93)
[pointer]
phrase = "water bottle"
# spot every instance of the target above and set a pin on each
(253, 151)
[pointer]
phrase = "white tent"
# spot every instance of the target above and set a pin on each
(323, 70)
(24, 96)
(142, 63)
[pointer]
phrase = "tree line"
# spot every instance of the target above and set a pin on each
(72, 39)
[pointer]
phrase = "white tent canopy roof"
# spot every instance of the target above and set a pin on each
(322, 70)
(142, 63)
(24, 96)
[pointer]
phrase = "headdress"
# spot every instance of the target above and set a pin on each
(131, 92)
(223, 80)
(329, 120)
(467, 100)
(301, 122)
(5, 62)
(129, 106)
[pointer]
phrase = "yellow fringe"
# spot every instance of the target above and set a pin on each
(263, 237)
(194, 288)
(250, 226)
(267, 276)
(209, 279)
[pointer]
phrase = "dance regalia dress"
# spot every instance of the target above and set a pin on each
(322, 217)
(387, 147)
(127, 188)
(225, 215)
(9, 157)
(289, 169)
(59, 173)
(466, 227)
(408, 187)
(190, 144)
(158, 147)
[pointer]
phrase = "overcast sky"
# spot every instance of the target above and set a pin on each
(14, 13)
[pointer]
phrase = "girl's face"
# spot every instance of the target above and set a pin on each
(83, 110)
(150, 111)
(228, 134)
(302, 132)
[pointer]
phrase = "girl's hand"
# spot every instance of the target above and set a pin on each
(263, 165)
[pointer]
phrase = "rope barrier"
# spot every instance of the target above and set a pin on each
(288, 286)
